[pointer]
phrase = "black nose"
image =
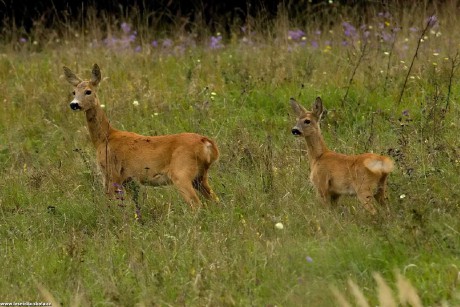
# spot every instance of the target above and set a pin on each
(296, 131)
(75, 106)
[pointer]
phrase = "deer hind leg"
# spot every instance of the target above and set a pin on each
(380, 195)
(183, 181)
(366, 199)
(201, 184)
(334, 198)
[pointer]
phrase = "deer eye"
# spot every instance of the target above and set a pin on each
(73, 93)
(307, 121)
(87, 92)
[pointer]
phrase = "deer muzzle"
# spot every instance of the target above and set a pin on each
(295, 131)
(75, 106)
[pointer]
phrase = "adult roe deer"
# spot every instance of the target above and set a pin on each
(179, 159)
(334, 174)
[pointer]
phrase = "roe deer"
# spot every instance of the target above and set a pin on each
(334, 174)
(179, 159)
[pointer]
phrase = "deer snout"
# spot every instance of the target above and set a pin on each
(74, 105)
(295, 131)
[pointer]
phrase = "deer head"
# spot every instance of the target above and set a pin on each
(307, 121)
(84, 91)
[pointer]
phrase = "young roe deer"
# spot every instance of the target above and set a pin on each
(179, 159)
(334, 174)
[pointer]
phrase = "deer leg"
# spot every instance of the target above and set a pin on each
(380, 195)
(112, 182)
(366, 199)
(334, 198)
(324, 197)
(201, 184)
(183, 181)
(322, 187)
(187, 191)
(114, 188)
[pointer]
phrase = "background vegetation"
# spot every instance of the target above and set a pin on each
(61, 239)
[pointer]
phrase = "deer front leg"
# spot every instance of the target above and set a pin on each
(322, 189)
(113, 185)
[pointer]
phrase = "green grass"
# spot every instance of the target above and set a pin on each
(58, 230)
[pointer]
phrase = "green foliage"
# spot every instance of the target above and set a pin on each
(58, 230)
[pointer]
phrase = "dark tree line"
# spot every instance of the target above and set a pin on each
(22, 13)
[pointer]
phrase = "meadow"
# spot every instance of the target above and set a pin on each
(389, 80)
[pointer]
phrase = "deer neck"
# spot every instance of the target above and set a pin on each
(98, 125)
(316, 147)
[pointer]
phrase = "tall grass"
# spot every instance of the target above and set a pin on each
(62, 240)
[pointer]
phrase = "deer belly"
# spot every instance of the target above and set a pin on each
(341, 188)
(156, 180)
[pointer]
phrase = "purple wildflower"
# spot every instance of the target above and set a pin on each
(132, 37)
(348, 29)
(387, 37)
(413, 29)
(432, 21)
(296, 35)
(118, 189)
(167, 43)
(125, 27)
(110, 41)
(154, 43)
(138, 48)
(216, 42)
(405, 112)
(314, 44)
(366, 34)
(384, 14)
(309, 259)
(23, 40)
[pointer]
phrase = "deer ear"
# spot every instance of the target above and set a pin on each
(71, 77)
(318, 107)
(95, 75)
(298, 109)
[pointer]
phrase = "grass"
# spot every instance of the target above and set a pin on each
(62, 239)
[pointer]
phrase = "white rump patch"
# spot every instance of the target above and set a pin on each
(208, 149)
(383, 165)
